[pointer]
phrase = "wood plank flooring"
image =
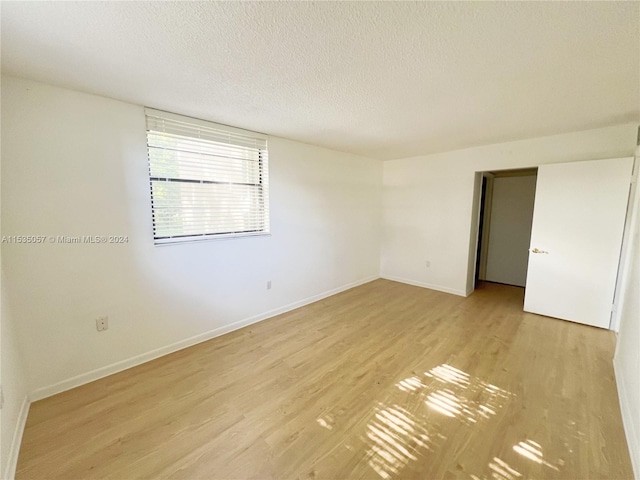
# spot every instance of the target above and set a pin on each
(383, 381)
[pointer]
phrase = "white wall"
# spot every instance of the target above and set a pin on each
(75, 164)
(15, 402)
(428, 201)
(510, 229)
(627, 358)
(15, 408)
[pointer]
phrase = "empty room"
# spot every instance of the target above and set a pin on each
(329, 240)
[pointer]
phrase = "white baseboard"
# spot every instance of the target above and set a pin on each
(116, 367)
(430, 286)
(633, 442)
(12, 461)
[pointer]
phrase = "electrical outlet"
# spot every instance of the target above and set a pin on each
(102, 323)
(269, 285)
(428, 263)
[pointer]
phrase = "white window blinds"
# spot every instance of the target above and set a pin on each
(207, 180)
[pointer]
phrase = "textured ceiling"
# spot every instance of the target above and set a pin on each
(382, 79)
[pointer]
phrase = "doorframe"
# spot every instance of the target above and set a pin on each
(474, 239)
(626, 250)
(632, 217)
(484, 225)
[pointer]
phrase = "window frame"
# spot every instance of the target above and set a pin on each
(263, 175)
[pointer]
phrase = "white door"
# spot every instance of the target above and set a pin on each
(578, 222)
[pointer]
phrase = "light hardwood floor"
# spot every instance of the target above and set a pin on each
(382, 381)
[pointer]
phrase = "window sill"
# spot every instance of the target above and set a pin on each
(207, 238)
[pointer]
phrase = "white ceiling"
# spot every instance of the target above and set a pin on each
(382, 79)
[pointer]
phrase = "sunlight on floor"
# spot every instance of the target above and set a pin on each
(395, 439)
(411, 384)
(445, 402)
(533, 451)
(448, 374)
(327, 421)
(500, 470)
(453, 399)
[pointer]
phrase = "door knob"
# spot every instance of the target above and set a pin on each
(536, 250)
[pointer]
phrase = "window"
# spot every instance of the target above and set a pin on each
(207, 180)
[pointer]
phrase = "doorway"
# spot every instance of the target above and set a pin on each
(576, 237)
(504, 226)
